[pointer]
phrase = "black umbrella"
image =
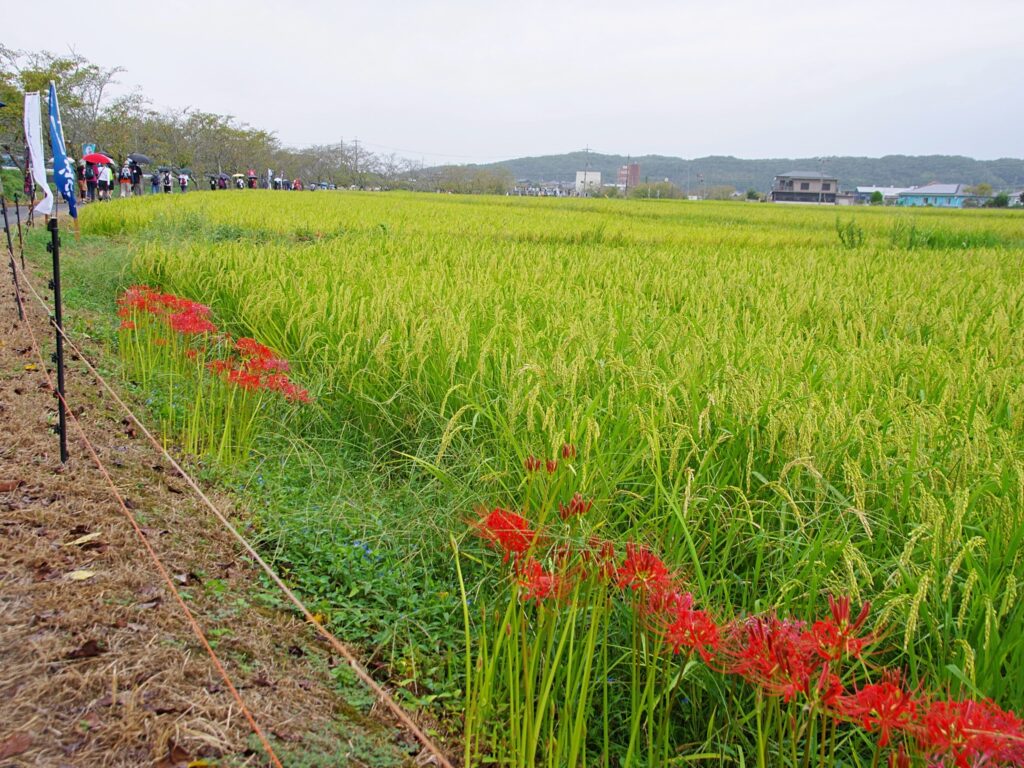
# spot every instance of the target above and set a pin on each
(139, 158)
(186, 171)
(223, 176)
(163, 168)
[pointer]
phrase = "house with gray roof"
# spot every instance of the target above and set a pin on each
(940, 196)
(804, 187)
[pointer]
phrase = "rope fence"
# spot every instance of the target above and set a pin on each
(115, 492)
(337, 645)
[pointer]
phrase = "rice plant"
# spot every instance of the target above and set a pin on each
(781, 417)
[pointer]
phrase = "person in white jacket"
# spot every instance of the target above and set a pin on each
(104, 180)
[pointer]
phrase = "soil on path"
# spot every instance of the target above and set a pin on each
(98, 665)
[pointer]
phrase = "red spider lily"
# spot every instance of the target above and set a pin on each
(899, 759)
(837, 637)
(190, 323)
(550, 466)
(692, 629)
(884, 706)
(266, 365)
(667, 600)
(972, 733)
(577, 506)
(244, 380)
(251, 348)
(532, 464)
(538, 584)
(191, 354)
(642, 569)
(770, 652)
(279, 382)
(179, 304)
(142, 298)
(127, 325)
(220, 366)
(828, 688)
(568, 451)
(138, 298)
(508, 531)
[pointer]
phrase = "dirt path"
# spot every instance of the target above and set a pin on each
(98, 665)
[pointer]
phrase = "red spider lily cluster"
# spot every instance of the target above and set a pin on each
(249, 365)
(533, 465)
(507, 531)
(577, 506)
(146, 300)
(642, 569)
(539, 584)
(820, 667)
(886, 707)
(972, 733)
(257, 368)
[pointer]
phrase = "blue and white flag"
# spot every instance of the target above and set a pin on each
(63, 166)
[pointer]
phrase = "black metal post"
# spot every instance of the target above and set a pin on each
(58, 323)
(10, 252)
(21, 239)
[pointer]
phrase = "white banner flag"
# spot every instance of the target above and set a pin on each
(34, 139)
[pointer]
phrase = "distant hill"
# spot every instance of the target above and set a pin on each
(891, 170)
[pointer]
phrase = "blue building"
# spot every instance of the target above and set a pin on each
(940, 196)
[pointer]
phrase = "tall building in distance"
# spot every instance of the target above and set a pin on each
(629, 175)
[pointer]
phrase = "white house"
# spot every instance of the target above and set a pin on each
(587, 182)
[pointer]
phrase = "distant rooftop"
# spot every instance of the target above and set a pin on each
(805, 175)
(883, 190)
(938, 189)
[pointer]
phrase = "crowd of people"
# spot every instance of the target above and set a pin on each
(99, 181)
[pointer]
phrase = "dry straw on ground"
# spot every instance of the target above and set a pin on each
(97, 663)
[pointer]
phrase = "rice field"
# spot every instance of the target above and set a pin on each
(786, 403)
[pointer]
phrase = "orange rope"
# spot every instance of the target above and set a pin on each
(156, 560)
(331, 639)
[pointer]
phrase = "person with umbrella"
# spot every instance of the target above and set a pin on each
(105, 180)
(165, 180)
(137, 160)
(103, 176)
(154, 182)
(183, 180)
(136, 178)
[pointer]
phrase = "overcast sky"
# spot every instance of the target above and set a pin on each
(475, 81)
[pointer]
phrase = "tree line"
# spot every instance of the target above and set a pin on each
(204, 142)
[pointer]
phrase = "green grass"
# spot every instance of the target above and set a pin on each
(13, 182)
(783, 414)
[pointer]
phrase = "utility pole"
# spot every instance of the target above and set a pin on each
(359, 181)
(821, 181)
(586, 171)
